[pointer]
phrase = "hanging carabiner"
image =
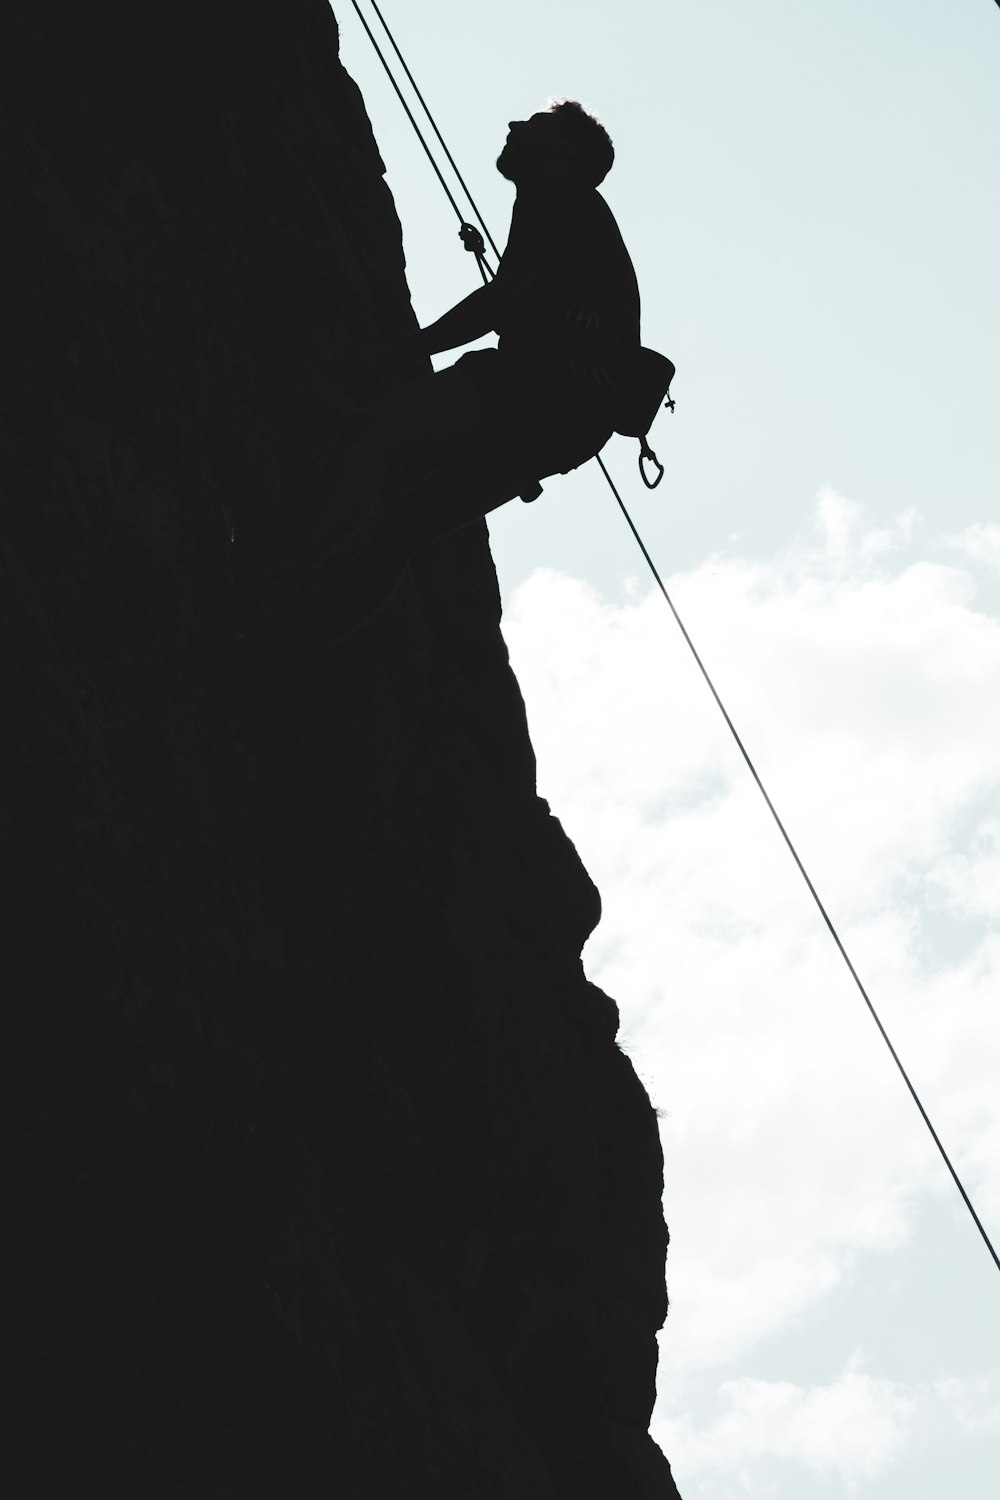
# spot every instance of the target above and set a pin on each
(646, 454)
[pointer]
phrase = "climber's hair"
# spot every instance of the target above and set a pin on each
(594, 151)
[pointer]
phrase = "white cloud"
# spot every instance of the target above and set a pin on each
(974, 1404)
(969, 881)
(845, 534)
(853, 1429)
(979, 543)
(868, 692)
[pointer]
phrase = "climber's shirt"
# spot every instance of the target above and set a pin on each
(567, 287)
(567, 315)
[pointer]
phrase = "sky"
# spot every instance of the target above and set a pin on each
(810, 197)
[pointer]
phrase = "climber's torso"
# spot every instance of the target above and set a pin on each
(566, 285)
(567, 315)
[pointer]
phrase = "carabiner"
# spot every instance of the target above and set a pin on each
(646, 454)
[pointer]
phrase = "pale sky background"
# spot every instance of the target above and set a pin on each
(810, 195)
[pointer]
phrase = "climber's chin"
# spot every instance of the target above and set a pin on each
(513, 161)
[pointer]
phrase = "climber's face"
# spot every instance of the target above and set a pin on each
(533, 148)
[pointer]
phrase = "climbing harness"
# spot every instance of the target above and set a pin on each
(645, 386)
(650, 378)
(636, 382)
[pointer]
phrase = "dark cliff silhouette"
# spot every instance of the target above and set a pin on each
(328, 1177)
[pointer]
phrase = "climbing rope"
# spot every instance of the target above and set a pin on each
(444, 147)
(471, 237)
(802, 869)
(473, 241)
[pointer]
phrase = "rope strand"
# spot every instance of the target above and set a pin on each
(802, 869)
(444, 146)
(691, 646)
(409, 113)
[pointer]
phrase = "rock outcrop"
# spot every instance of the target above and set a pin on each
(328, 1175)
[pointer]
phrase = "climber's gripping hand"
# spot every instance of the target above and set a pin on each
(468, 320)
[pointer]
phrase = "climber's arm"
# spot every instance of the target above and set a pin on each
(490, 307)
(467, 320)
(482, 312)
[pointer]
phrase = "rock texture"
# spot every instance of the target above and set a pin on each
(327, 1176)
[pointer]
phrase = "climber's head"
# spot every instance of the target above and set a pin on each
(561, 141)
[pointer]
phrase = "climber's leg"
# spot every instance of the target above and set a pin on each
(465, 456)
(500, 461)
(396, 441)
(461, 491)
(464, 489)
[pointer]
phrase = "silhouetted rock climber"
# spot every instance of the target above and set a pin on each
(565, 303)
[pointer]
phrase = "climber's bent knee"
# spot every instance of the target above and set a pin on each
(427, 420)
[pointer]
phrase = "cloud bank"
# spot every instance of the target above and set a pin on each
(866, 685)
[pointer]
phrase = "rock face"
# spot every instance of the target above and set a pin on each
(328, 1177)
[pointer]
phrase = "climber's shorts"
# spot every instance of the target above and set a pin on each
(541, 421)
